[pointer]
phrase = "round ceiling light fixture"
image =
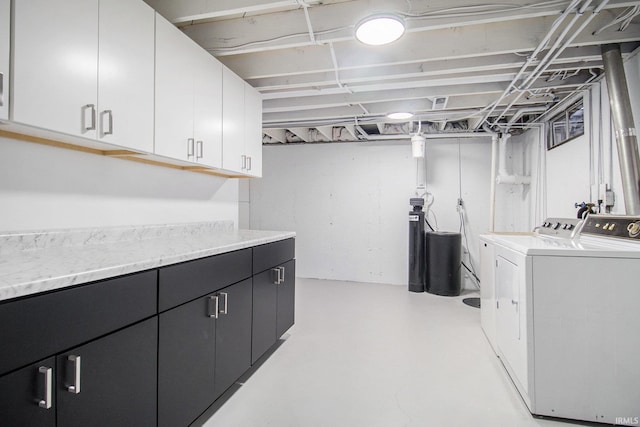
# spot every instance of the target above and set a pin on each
(399, 116)
(378, 30)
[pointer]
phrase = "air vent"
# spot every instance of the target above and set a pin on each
(440, 103)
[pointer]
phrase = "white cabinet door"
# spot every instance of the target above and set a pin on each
(233, 122)
(208, 109)
(55, 65)
(253, 130)
(511, 316)
(125, 74)
(488, 291)
(174, 92)
(5, 9)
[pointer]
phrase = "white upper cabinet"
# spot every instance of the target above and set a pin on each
(188, 98)
(241, 126)
(174, 92)
(5, 9)
(55, 65)
(208, 109)
(253, 130)
(85, 68)
(125, 73)
(233, 122)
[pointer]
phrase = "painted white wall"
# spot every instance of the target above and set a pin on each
(349, 202)
(44, 187)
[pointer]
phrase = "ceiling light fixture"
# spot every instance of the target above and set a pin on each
(399, 116)
(377, 30)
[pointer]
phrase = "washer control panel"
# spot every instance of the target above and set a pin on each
(622, 227)
(560, 227)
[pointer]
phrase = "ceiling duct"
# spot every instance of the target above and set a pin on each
(440, 103)
(626, 135)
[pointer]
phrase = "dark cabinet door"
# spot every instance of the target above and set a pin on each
(27, 396)
(286, 298)
(111, 381)
(265, 296)
(233, 335)
(186, 362)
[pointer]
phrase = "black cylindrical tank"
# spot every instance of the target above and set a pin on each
(416, 247)
(444, 263)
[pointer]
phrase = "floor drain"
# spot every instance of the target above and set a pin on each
(472, 302)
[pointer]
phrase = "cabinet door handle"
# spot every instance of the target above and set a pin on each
(225, 306)
(199, 150)
(74, 387)
(92, 118)
(190, 147)
(109, 115)
(244, 162)
(47, 375)
(249, 163)
(1, 89)
(214, 308)
(281, 269)
(275, 275)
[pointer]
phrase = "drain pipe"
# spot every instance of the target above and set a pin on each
(492, 196)
(626, 135)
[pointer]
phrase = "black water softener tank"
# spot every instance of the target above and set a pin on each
(444, 263)
(416, 246)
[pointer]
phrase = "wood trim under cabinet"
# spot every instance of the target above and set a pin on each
(134, 156)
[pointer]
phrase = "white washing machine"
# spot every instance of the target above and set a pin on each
(565, 309)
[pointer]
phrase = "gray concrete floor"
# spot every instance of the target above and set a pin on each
(371, 355)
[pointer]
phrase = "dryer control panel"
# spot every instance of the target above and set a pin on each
(559, 227)
(622, 227)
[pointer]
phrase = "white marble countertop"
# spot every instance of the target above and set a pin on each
(37, 262)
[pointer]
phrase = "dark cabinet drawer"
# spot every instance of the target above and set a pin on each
(272, 254)
(37, 327)
(189, 280)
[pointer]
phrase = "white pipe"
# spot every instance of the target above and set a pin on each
(492, 195)
(312, 36)
(531, 58)
(551, 56)
(502, 159)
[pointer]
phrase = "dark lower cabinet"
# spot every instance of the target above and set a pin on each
(145, 349)
(285, 315)
(186, 361)
(111, 381)
(273, 306)
(27, 396)
(107, 382)
(233, 335)
(204, 346)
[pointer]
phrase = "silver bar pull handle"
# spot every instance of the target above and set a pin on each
(199, 150)
(47, 375)
(249, 163)
(1, 89)
(225, 306)
(214, 308)
(244, 162)
(91, 108)
(190, 147)
(275, 275)
(109, 115)
(74, 387)
(281, 269)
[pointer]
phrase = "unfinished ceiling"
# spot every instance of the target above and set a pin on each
(461, 66)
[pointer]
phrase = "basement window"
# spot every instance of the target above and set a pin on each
(566, 126)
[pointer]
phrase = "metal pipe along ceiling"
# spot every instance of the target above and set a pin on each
(624, 126)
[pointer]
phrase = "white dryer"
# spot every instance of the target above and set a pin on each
(567, 318)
